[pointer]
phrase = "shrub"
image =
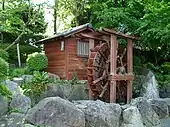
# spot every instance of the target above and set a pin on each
(166, 68)
(38, 85)
(4, 55)
(37, 61)
(5, 92)
(3, 69)
(17, 72)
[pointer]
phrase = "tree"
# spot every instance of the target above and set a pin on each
(22, 18)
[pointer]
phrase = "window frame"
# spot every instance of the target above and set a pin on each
(77, 49)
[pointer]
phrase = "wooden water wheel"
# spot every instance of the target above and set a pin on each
(99, 73)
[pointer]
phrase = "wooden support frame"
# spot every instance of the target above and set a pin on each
(129, 68)
(113, 58)
(91, 46)
(119, 74)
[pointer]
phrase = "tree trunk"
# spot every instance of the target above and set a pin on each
(55, 17)
(3, 4)
(3, 8)
(124, 3)
(115, 3)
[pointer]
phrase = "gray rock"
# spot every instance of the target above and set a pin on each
(19, 80)
(100, 114)
(27, 78)
(3, 105)
(167, 101)
(149, 116)
(21, 103)
(16, 120)
(28, 125)
(12, 120)
(53, 90)
(53, 77)
(160, 107)
(67, 91)
(80, 92)
(150, 87)
(132, 117)
(56, 112)
(4, 121)
(165, 122)
(13, 87)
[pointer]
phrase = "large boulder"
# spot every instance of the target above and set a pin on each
(149, 116)
(150, 87)
(166, 101)
(21, 103)
(3, 105)
(132, 117)
(160, 107)
(56, 112)
(16, 120)
(12, 120)
(13, 87)
(67, 91)
(100, 114)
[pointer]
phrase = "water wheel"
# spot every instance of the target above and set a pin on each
(99, 73)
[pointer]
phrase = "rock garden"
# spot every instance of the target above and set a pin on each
(34, 98)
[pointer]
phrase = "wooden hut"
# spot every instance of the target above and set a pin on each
(68, 54)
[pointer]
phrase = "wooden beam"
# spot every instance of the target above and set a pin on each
(120, 34)
(113, 62)
(130, 56)
(129, 68)
(90, 37)
(91, 46)
(122, 77)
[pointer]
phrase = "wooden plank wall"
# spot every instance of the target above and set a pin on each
(56, 58)
(76, 64)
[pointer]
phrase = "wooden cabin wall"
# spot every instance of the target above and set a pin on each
(56, 58)
(76, 64)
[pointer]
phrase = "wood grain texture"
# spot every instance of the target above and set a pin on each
(76, 64)
(56, 58)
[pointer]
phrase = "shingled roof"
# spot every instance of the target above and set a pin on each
(68, 33)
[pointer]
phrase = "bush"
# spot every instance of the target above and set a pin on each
(37, 61)
(5, 92)
(3, 69)
(166, 68)
(4, 55)
(38, 85)
(18, 72)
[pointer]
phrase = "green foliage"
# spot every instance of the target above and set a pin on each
(18, 72)
(24, 51)
(3, 69)
(162, 74)
(4, 55)
(38, 85)
(5, 92)
(19, 16)
(74, 79)
(37, 61)
(166, 68)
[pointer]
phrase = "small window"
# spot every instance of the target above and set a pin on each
(62, 45)
(82, 49)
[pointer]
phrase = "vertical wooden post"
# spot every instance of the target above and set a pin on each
(129, 68)
(91, 46)
(18, 55)
(113, 66)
